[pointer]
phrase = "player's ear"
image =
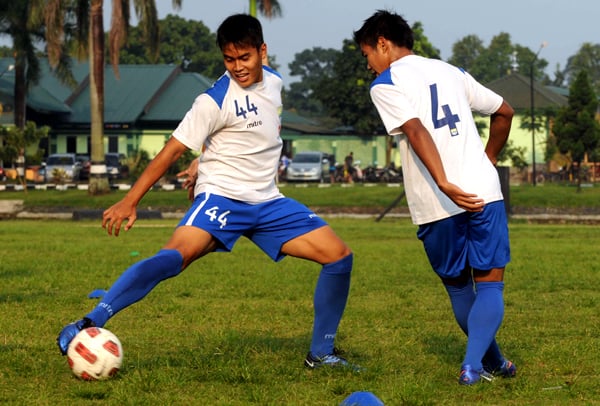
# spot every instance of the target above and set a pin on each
(263, 54)
(382, 43)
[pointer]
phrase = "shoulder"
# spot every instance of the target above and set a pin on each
(384, 78)
(272, 78)
(271, 71)
(219, 89)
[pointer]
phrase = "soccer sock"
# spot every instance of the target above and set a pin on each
(331, 294)
(462, 298)
(484, 321)
(135, 283)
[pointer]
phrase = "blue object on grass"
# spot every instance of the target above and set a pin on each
(97, 294)
(362, 399)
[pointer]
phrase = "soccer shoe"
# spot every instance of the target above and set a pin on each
(68, 333)
(331, 360)
(470, 376)
(506, 370)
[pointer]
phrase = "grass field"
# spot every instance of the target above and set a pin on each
(553, 197)
(234, 328)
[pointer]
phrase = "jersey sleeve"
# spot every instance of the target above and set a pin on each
(203, 118)
(393, 107)
(481, 99)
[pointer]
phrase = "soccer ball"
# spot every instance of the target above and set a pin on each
(95, 354)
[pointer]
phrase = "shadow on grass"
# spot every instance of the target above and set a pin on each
(449, 348)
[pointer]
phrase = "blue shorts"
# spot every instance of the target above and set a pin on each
(479, 240)
(269, 225)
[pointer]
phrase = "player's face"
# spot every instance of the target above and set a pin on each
(377, 61)
(244, 63)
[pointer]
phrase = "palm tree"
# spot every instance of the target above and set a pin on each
(268, 8)
(87, 15)
(22, 21)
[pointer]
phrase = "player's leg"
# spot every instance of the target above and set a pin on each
(186, 244)
(193, 238)
(461, 292)
(489, 252)
(290, 228)
(333, 284)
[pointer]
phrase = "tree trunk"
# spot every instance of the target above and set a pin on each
(20, 89)
(98, 177)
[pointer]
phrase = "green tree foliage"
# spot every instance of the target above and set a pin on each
(312, 66)
(16, 139)
(22, 21)
(497, 60)
(576, 129)
(422, 45)
(587, 59)
(186, 43)
(345, 94)
(466, 52)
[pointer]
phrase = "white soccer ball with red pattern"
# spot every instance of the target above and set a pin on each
(95, 354)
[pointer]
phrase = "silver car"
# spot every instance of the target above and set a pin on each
(62, 167)
(308, 166)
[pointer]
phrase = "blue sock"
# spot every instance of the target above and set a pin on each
(484, 321)
(462, 298)
(331, 294)
(135, 283)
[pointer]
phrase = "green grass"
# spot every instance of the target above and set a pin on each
(233, 329)
(377, 198)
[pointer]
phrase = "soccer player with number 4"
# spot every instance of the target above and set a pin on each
(452, 186)
(236, 124)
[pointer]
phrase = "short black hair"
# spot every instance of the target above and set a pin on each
(240, 30)
(391, 26)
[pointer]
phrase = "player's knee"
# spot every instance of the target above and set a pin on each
(491, 275)
(343, 265)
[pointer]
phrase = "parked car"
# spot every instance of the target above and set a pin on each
(65, 166)
(308, 166)
(86, 165)
(2, 174)
(116, 165)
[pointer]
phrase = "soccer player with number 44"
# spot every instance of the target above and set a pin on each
(452, 186)
(236, 125)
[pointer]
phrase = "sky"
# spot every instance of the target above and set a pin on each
(563, 25)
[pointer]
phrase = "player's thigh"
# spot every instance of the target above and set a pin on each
(191, 242)
(321, 245)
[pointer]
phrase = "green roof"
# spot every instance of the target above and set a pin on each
(124, 97)
(516, 90)
(177, 98)
(141, 93)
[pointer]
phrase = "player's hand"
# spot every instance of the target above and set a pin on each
(464, 200)
(114, 216)
(190, 174)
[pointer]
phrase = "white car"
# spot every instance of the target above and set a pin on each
(62, 166)
(308, 166)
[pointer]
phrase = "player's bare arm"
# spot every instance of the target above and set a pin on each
(190, 174)
(500, 123)
(421, 142)
(125, 209)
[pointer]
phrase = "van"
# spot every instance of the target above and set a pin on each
(308, 166)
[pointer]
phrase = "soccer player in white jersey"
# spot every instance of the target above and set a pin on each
(452, 187)
(236, 124)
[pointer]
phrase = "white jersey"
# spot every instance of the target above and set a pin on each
(239, 130)
(443, 98)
